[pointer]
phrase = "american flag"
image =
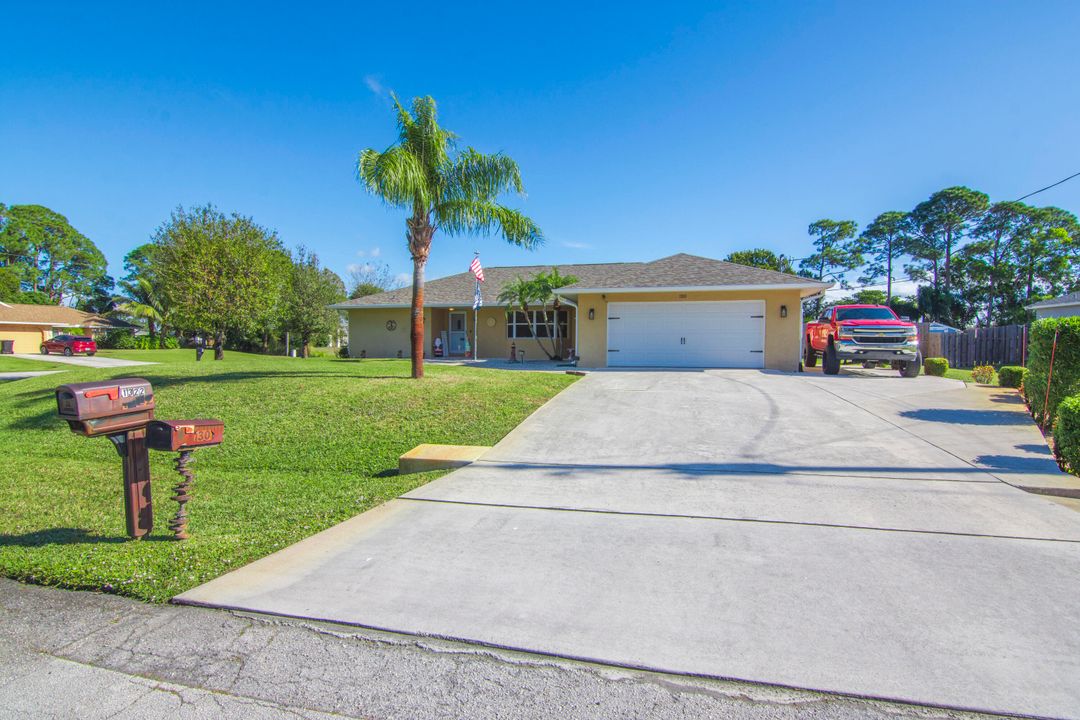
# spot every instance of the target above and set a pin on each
(476, 270)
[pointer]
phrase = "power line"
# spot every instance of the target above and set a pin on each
(1049, 186)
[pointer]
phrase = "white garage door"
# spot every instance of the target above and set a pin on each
(687, 334)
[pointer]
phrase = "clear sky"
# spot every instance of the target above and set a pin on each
(641, 130)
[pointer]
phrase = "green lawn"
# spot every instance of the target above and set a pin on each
(15, 364)
(965, 375)
(308, 443)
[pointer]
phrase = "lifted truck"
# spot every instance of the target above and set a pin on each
(866, 333)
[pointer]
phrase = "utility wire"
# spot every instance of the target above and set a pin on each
(1049, 186)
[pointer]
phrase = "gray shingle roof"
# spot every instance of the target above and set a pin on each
(1070, 299)
(676, 271)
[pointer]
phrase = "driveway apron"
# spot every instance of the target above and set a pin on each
(858, 534)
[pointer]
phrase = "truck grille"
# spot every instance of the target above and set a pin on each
(884, 335)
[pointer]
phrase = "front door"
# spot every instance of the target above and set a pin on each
(457, 333)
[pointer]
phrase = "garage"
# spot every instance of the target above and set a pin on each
(721, 334)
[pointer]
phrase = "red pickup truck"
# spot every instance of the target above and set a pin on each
(868, 333)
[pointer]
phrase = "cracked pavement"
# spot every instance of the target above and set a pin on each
(75, 654)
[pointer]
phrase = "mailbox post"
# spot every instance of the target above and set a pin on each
(119, 410)
(184, 437)
(123, 411)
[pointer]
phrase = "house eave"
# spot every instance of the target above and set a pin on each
(1047, 306)
(815, 287)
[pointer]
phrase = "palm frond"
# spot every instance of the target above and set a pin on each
(481, 177)
(465, 217)
(396, 175)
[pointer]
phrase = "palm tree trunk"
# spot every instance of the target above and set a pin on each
(420, 232)
(417, 329)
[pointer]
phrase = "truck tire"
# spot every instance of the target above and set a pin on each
(809, 356)
(831, 365)
(44, 350)
(67, 352)
(911, 368)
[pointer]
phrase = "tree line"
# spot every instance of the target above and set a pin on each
(977, 262)
(220, 276)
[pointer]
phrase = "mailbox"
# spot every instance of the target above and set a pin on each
(106, 408)
(179, 435)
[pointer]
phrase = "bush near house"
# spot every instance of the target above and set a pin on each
(983, 374)
(1011, 376)
(1066, 375)
(127, 340)
(936, 366)
(1067, 434)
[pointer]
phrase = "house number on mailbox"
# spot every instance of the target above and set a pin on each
(391, 325)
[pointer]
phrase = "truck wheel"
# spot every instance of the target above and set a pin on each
(911, 368)
(831, 366)
(67, 352)
(809, 356)
(44, 350)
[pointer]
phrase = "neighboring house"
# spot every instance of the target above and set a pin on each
(30, 325)
(679, 311)
(1064, 306)
(936, 327)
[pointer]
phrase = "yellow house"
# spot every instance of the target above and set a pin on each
(27, 326)
(678, 311)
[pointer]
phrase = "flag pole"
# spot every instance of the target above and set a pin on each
(475, 315)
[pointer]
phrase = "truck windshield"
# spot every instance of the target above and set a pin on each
(867, 313)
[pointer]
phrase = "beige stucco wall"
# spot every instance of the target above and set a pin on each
(783, 336)
(27, 337)
(493, 342)
(368, 333)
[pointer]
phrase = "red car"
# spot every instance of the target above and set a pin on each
(69, 345)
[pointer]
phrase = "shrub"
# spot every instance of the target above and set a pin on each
(1067, 434)
(1011, 376)
(118, 340)
(343, 351)
(170, 343)
(936, 366)
(1066, 375)
(983, 374)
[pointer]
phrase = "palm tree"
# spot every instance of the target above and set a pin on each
(520, 293)
(142, 301)
(442, 189)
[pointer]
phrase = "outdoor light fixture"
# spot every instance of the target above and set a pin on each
(783, 311)
(592, 314)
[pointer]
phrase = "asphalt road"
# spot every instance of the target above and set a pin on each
(96, 657)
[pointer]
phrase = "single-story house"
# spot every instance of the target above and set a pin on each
(1064, 306)
(30, 325)
(678, 311)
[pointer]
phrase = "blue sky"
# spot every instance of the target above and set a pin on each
(640, 130)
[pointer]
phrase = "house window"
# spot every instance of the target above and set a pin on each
(537, 323)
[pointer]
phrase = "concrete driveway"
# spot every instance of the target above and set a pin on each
(97, 361)
(860, 534)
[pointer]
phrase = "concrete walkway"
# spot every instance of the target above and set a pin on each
(97, 361)
(857, 534)
(27, 374)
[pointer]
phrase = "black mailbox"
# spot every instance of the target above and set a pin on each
(106, 408)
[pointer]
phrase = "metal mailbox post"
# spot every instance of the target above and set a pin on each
(120, 410)
(123, 411)
(183, 436)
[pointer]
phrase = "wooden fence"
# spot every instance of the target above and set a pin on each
(1001, 345)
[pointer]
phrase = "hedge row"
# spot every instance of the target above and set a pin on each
(1066, 376)
(127, 340)
(1067, 433)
